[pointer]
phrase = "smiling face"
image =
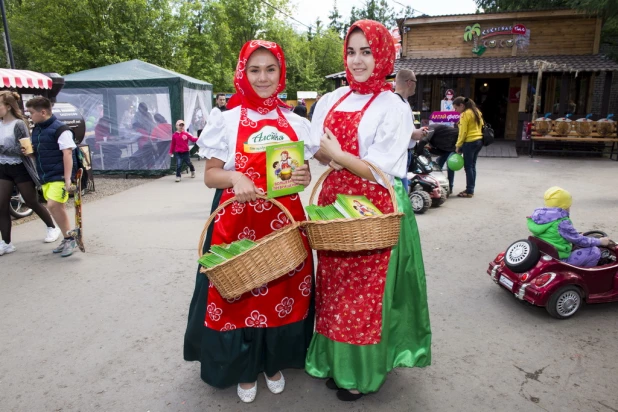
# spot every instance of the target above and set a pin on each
(263, 73)
(359, 57)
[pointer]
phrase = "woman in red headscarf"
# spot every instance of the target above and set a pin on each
(268, 329)
(371, 306)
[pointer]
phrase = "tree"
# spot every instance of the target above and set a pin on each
(74, 35)
(335, 20)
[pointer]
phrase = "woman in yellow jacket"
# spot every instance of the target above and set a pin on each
(470, 139)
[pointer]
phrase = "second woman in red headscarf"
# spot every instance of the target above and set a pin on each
(371, 306)
(268, 329)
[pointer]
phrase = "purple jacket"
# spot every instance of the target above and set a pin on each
(546, 215)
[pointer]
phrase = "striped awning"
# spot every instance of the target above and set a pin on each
(25, 79)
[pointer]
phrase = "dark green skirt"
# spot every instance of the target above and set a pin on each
(240, 355)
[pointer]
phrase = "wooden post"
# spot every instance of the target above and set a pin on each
(607, 87)
(538, 89)
(467, 86)
(564, 94)
(419, 93)
(523, 93)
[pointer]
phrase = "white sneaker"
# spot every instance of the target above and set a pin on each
(177, 179)
(275, 386)
(53, 233)
(247, 395)
(4, 248)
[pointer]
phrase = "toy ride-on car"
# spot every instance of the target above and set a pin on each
(532, 271)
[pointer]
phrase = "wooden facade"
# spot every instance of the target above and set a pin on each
(563, 32)
(504, 93)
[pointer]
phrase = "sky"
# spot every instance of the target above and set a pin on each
(307, 11)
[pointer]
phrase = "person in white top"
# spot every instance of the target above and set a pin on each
(371, 306)
(17, 170)
(405, 86)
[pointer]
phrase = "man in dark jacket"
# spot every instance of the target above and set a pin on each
(53, 146)
(442, 140)
(301, 109)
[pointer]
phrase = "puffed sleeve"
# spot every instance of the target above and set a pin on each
(303, 131)
(389, 150)
(214, 140)
(317, 123)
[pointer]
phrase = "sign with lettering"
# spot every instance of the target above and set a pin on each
(258, 141)
(444, 117)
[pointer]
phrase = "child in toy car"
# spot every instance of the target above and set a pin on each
(553, 225)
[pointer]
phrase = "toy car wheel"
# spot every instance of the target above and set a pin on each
(421, 201)
(565, 302)
(440, 202)
(521, 256)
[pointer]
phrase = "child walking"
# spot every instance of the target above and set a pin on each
(180, 148)
(53, 146)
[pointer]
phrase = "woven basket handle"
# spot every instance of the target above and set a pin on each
(228, 202)
(389, 186)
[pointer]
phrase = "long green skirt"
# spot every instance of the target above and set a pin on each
(406, 333)
(240, 355)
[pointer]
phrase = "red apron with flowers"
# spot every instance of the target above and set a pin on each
(284, 300)
(350, 286)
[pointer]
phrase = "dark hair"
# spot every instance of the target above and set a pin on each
(11, 98)
(159, 118)
(219, 95)
(39, 103)
(142, 107)
(469, 105)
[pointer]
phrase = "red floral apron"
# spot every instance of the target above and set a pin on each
(284, 300)
(350, 286)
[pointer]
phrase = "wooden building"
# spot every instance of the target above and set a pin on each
(494, 58)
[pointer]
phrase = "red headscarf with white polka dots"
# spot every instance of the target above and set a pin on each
(383, 51)
(245, 95)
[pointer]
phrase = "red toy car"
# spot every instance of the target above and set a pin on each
(532, 271)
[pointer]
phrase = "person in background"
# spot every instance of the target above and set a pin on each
(180, 149)
(163, 130)
(405, 87)
(301, 109)
(220, 106)
(143, 119)
(470, 140)
(17, 169)
(317, 99)
(53, 146)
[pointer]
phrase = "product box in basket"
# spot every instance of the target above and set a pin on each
(281, 160)
(220, 253)
(356, 206)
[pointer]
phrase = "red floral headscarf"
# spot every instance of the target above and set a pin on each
(245, 95)
(383, 51)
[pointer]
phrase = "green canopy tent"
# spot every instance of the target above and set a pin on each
(130, 109)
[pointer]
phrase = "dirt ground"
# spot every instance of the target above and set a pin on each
(103, 331)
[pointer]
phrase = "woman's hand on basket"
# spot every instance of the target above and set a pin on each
(329, 145)
(335, 165)
(302, 175)
(245, 190)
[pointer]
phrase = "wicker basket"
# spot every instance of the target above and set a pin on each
(354, 235)
(542, 126)
(605, 128)
(584, 127)
(272, 257)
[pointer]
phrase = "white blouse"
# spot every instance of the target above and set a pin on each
(384, 131)
(218, 139)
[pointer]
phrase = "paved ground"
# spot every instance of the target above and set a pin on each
(103, 331)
